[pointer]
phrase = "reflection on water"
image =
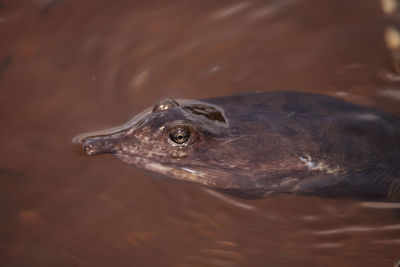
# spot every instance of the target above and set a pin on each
(71, 66)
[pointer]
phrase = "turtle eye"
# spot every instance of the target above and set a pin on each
(179, 136)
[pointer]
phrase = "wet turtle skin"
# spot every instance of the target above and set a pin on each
(256, 145)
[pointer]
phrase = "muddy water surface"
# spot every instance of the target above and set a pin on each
(68, 67)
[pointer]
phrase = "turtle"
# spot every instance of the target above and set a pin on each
(259, 144)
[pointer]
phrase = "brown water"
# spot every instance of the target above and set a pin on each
(68, 67)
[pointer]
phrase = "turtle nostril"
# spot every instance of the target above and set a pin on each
(89, 149)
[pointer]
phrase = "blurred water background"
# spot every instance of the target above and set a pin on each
(69, 66)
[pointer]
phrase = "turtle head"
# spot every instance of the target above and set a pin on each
(178, 139)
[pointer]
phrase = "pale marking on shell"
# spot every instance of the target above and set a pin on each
(367, 117)
(319, 166)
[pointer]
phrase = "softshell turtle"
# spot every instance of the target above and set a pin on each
(255, 145)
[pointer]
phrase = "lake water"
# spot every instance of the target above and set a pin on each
(68, 67)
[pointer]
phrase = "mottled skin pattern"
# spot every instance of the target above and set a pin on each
(255, 145)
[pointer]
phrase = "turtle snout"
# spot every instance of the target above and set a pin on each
(92, 147)
(96, 145)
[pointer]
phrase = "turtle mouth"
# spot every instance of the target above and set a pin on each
(144, 163)
(167, 168)
(186, 173)
(170, 170)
